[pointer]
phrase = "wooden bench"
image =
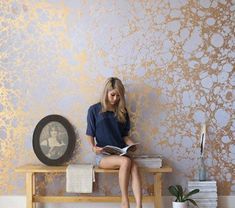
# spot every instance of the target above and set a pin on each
(31, 197)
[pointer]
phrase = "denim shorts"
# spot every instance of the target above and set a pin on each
(98, 158)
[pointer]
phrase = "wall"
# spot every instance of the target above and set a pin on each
(175, 58)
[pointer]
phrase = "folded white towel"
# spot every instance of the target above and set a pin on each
(80, 178)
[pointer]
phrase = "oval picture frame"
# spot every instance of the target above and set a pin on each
(54, 140)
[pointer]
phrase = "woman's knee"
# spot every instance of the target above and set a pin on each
(125, 161)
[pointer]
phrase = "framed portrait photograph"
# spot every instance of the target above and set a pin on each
(54, 140)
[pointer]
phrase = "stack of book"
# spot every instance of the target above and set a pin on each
(207, 197)
(148, 161)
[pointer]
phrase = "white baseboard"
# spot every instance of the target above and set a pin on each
(20, 202)
(12, 201)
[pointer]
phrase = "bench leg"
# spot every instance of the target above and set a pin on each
(29, 190)
(158, 190)
(34, 189)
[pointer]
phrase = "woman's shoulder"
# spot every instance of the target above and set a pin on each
(95, 107)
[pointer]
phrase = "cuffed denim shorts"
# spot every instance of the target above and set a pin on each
(98, 158)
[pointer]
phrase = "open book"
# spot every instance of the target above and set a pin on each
(112, 150)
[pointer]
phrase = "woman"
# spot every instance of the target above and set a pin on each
(108, 124)
(52, 145)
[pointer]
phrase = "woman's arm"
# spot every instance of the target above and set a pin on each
(95, 149)
(128, 141)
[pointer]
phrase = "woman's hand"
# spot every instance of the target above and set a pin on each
(133, 148)
(128, 142)
(97, 150)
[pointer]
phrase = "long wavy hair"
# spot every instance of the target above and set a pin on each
(120, 109)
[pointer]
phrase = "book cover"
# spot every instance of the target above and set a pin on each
(208, 195)
(202, 184)
(147, 156)
(203, 189)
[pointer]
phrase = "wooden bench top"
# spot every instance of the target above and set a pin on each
(30, 168)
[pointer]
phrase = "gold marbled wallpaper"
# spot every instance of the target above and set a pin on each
(175, 57)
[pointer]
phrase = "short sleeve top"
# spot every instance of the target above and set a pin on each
(106, 128)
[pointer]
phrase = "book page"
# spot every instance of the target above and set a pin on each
(112, 150)
(130, 147)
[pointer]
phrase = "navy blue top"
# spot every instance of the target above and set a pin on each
(106, 128)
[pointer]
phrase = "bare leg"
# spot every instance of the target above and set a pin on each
(136, 184)
(124, 165)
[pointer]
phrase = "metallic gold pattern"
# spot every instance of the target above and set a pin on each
(175, 57)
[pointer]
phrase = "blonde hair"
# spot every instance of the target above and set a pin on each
(120, 110)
